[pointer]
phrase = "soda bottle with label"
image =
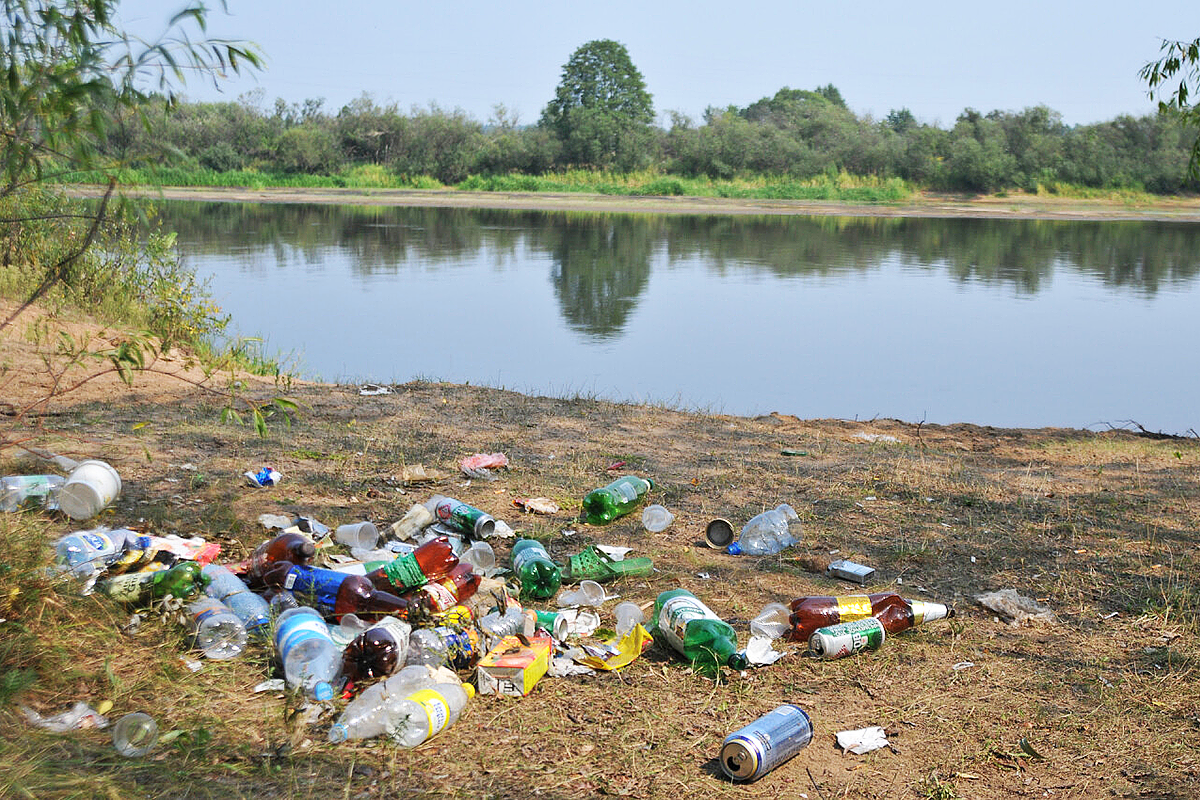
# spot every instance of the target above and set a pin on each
(88, 553)
(374, 711)
(427, 712)
(429, 561)
(810, 613)
(603, 505)
(334, 593)
(445, 645)
(540, 577)
(378, 651)
(182, 580)
(695, 632)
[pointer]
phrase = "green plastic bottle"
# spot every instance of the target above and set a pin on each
(699, 635)
(540, 577)
(182, 580)
(603, 505)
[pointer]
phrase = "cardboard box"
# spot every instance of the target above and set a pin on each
(514, 668)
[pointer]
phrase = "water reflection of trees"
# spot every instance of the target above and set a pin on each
(601, 262)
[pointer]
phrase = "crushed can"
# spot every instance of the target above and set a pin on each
(761, 746)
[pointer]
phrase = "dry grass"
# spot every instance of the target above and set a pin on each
(1099, 526)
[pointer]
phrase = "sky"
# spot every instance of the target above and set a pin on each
(935, 58)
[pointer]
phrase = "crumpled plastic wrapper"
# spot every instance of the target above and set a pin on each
(761, 652)
(862, 740)
(481, 465)
(1018, 609)
(80, 716)
(537, 505)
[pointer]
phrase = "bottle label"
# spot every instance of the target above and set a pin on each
(461, 646)
(529, 554)
(399, 629)
(128, 588)
(441, 598)
(97, 541)
(320, 584)
(437, 710)
(853, 606)
(927, 612)
(404, 572)
(299, 629)
(677, 613)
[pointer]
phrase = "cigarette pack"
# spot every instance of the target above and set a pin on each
(848, 570)
(514, 667)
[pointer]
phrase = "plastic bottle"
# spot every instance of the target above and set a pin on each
(810, 613)
(29, 491)
(427, 712)
(695, 631)
(374, 711)
(378, 651)
(295, 548)
(335, 593)
(444, 645)
(310, 658)
(768, 533)
(252, 609)
(603, 505)
(513, 620)
(461, 517)
(540, 577)
(431, 560)
(772, 622)
(182, 580)
(439, 596)
(87, 553)
(216, 630)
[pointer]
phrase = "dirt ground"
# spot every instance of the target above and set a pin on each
(1099, 527)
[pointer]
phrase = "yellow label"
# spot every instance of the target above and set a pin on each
(437, 710)
(853, 606)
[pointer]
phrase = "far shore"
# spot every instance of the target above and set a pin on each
(1014, 206)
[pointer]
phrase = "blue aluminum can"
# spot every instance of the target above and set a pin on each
(764, 744)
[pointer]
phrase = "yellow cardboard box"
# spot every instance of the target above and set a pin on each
(514, 668)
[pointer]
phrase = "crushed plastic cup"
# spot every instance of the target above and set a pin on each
(481, 557)
(362, 535)
(588, 593)
(656, 518)
(88, 490)
(135, 734)
(629, 616)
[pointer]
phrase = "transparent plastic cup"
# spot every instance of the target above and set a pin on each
(135, 734)
(362, 535)
(629, 616)
(481, 557)
(656, 518)
(588, 593)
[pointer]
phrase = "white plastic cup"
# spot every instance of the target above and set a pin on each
(589, 593)
(135, 734)
(656, 518)
(362, 535)
(89, 489)
(629, 615)
(481, 557)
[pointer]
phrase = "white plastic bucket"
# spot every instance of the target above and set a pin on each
(90, 487)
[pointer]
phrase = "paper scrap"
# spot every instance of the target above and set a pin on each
(862, 740)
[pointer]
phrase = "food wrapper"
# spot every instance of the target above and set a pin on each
(627, 650)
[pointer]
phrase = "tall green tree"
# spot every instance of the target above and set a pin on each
(1175, 79)
(601, 110)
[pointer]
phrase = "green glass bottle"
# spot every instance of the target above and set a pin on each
(540, 577)
(696, 633)
(182, 580)
(605, 504)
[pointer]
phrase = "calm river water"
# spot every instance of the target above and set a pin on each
(996, 322)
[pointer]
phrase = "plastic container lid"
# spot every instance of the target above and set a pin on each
(718, 534)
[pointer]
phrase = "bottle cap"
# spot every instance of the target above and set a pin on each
(734, 549)
(469, 688)
(718, 534)
(323, 691)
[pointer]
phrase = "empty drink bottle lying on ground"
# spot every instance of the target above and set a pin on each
(182, 580)
(414, 705)
(768, 533)
(335, 594)
(429, 561)
(894, 613)
(603, 505)
(540, 577)
(310, 659)
(695, 632)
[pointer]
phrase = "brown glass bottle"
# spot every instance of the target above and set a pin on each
(896, 613)
(295, 548)
(336, 594)
(430, 561)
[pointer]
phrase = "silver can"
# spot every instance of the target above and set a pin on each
(764, 744)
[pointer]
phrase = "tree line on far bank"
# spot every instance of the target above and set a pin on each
(601, 118)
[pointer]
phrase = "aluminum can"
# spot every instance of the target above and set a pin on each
(847, 638)
(461, 517)
(764, 744)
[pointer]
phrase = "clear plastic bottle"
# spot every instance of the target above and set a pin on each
(310, 658)
(772, 622)
(29, 491)
(427, 712)
(87, 553)
(250, 608)
(374, 711)
(768, 533)
(444, 645)
(513, 620)
(216, 630)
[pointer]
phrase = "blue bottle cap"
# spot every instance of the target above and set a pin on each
(323, 691)
(734, 549)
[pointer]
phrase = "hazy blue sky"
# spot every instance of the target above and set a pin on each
(935, 58)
